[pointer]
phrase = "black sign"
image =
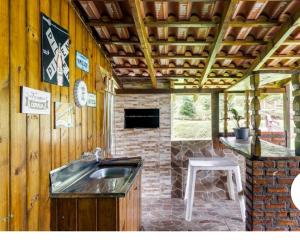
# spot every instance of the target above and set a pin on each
(55, 52)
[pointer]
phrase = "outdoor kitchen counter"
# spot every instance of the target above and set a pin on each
(267, 189)
(82, 179)
(269, 151)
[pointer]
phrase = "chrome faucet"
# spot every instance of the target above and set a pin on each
(98, 153)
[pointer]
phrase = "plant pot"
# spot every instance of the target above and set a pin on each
(241, 133)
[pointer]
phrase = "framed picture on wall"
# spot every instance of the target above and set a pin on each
(64, 115)
(55, 52)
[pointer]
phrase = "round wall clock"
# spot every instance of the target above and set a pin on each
(80, 93)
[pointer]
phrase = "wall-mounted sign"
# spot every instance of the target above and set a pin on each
(82, 62)
(92, 100)
(80, 93)
(64, 115)
(55, 52)
(35, 101)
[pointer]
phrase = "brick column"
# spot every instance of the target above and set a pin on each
(269, 205)
(255, 116)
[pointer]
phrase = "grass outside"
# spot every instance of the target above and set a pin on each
(191, 129)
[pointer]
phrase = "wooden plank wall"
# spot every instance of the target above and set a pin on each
(29, 145)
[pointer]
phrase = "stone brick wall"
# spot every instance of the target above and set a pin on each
(210, 185)
(268, 195)
(154, 145)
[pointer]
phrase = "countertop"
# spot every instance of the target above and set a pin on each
(74, 180)
(269, 151)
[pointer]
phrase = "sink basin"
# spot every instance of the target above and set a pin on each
(112, 172)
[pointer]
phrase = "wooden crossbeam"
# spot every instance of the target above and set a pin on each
(224, 68)
(209, 24)
(187, 43)
(183, 24)
(111, 23)
(175, 77)
(136, 11)
(228, 10)
(199, 57)
(254, 23)
(180, 43)
(279, 39)
(167, 91)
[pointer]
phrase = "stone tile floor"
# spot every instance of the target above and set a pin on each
(168, 215)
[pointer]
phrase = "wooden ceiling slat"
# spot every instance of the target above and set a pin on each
(111, 23)
(191, 43)
(184, 24)
(136, 11)
(228, 11)
(180, 68)
(174, 77)
(280, 39)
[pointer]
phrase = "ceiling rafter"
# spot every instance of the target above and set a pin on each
(193, 43)
(180, 68)
(175, 77)
(136, 11)
(183, 23)
(194, 57)
(229, 9)
(280, 39)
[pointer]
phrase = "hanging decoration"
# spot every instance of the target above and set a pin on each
(55, 52)
(35, 101)
(80, 93)
(92, 100)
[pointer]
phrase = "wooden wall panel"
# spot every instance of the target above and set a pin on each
(33, 72)
(64, 132)
(78, 75)
(17, 120)
(4, 115)
(45, 150)
(29, 145)
(55, 94)
(72, 33)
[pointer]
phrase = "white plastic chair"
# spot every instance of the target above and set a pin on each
(213, 163)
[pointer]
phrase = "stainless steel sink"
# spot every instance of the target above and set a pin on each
(112, 173)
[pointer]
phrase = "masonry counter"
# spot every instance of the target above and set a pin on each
(269, 177)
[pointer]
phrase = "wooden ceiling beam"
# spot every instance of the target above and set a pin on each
(279, 39)
(186, 43)
(180, 68)
(136, 11)
(210, 24)
(183, 24)
(111, 23)
(228, 11)
(167, 91)
(175, 77)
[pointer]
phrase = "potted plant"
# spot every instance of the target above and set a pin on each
(239, 132)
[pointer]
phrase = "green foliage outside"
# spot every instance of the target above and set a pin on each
(187, 108)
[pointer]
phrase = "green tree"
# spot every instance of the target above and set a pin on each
(188, 108)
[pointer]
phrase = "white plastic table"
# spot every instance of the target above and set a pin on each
(213, 163)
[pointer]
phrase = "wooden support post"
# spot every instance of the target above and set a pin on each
(225, 114)
(247, 114)
(255, 116)
(296, 108)
(215, 118)
(287, 114)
